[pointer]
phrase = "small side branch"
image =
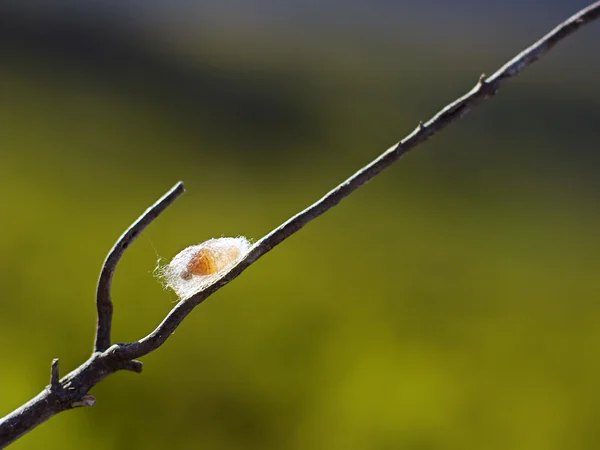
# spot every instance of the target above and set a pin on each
(103, 297)
(54, 376)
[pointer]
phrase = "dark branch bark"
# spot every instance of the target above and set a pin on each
(103, 298)
(72, 390)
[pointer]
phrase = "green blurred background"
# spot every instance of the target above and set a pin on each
(452, 303)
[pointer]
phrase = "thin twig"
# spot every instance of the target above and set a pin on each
(72, 390)
(103, 297)
(484, 89)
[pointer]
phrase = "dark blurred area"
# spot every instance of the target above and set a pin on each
(450, 304)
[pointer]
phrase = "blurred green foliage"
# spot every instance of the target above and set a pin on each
(450, 304)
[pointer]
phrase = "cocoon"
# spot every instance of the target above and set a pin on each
(197, 266)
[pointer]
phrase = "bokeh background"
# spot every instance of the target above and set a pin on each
(452, 303)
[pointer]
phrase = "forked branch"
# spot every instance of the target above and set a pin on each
(103, 297)
(72, 390)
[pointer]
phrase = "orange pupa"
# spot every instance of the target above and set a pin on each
(208, 261)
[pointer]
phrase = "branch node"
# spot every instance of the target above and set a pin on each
(487, 88)
(133, 366)
(421, 126)
(86, 400)
(54, 376)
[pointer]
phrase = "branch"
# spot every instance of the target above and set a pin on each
(72, 390)
(484, 89)
(103, 299)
